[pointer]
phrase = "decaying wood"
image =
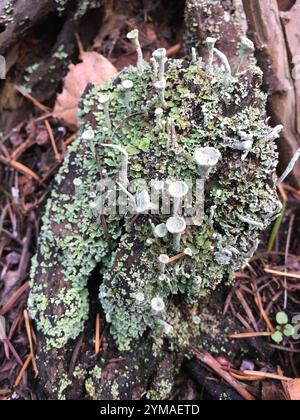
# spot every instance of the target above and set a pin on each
(24, 16)
(275, 34)
(223, 20)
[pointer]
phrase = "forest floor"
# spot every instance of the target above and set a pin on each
(30, 155)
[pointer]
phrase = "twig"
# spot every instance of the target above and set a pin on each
(207, 359)
(266, 375)
(53, 143)
(23, 146)
(291, 189)
(246, 307)
(282, 274)
(20, 167)
(28, 330)
(282, 348)
(23, 369)
(250, 335)
(97, 334)
(11, 301)
(173, 50)
(259, 304)
(70, 139)
(32, 99)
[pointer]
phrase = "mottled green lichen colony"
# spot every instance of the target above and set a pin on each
(172, 121)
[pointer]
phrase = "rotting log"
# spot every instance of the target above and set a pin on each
(18, 17)
(56, 366)
(274, 28)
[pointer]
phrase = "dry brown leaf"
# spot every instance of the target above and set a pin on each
(95, 69)
(293, 389)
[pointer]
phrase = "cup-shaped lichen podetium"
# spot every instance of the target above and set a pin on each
(127, 86)
(211, 42)
(160, 57)
(176, 226)
(133, 36)
(246, 48)
(163, 260)
(206, 159)
(178, 190)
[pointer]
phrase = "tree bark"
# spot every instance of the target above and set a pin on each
(274, 28)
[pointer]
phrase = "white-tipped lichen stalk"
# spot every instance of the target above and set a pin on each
(274, 134)
(224, 60)
(212, 213)
(133, 36)
(158, 305)
(77, 182)
(160, 231)
(178, 190)
(127, 86)
(140, 297)
(159, 112)
(160, 87)
(194, 55)
(154, 67)
(176, 226)
(163, 260)
(104, 101)
(172, 138)
(124, 165)
(188, 252)
(160, 57)
(196, 320)
(289, 168)
(206, 158)
(211, 43)
(246, 48)
(89, 135)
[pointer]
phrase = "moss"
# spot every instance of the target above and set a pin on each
(201, 111)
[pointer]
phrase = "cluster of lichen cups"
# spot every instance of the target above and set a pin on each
(165, 124)
(206, 158)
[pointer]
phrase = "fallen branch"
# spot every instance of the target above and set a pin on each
(210, 361)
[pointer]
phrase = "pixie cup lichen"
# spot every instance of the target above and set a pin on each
(195, 134)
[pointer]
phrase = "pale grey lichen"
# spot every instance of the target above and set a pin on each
(136, 294)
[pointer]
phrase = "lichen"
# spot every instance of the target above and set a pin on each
(29, 71)
(81, 9)
(7, 12)
(63, 385)
(199, 111)
(60, 53)
(212, 18)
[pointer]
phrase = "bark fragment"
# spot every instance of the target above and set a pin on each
(274, 33)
